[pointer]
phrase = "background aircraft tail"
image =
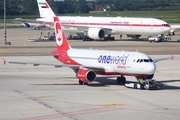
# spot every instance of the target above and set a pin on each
(61, 40)
(44, 9)
(25, 23)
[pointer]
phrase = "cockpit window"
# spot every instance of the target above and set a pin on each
(146, 60)
(151, 60)
(166, 25)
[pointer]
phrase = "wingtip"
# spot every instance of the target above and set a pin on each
(172, 57)
(4, 61)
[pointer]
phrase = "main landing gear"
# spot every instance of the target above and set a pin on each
(86, 38)
(121, 80)
(81, 82)
(108, 38)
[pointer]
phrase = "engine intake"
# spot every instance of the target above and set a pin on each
(96, 33)
(86, 75)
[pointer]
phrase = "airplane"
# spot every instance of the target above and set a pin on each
(87, 64)
(99, 27)
(33, 25)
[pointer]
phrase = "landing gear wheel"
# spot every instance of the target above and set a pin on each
(81, 82)
(118, 80)
(121, 80)
(109, 38)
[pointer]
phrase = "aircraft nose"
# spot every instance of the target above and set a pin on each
(151, 68)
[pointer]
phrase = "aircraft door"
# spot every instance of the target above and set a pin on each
(129, 61)
(152, 25)
(130, 25)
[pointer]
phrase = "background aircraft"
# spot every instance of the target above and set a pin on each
(35, 26)
(88, 63)
(99, 27)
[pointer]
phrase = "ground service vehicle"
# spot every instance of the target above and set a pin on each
(148, 84)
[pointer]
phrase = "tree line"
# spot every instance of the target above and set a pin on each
(29, 7)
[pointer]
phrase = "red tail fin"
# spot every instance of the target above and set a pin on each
(61, 40)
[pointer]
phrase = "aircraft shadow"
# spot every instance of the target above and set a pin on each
(169, 87)
(109, 81)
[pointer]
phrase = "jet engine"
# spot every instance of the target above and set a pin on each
(96, 33)
(86, 75)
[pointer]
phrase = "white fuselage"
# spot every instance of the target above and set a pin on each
(114, 62)
(114, 25)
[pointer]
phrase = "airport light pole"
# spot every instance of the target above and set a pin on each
(5, 22)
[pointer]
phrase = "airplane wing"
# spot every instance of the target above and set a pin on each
(86, 28)
(175, 27)
(161, 59)
(38, 64)
(95, 68)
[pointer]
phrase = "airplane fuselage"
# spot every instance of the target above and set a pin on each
(113, 62)
(147, 26)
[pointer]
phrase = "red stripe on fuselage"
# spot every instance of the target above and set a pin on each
(116, 73)
(110, 24)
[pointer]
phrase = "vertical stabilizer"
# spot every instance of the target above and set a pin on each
(25, 24)
(61, 40)
(44, 9)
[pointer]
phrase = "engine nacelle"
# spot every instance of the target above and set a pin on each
(86, 75)
(96, 33)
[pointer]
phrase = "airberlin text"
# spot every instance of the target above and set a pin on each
(118, 60)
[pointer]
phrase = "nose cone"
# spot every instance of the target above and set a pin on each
(150, 68)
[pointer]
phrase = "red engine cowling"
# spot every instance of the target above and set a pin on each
(86, 75)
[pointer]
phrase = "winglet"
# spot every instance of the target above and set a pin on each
(172, 57)
(4, 61)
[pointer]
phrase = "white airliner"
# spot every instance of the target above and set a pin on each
(98, 27)
(88, 63)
